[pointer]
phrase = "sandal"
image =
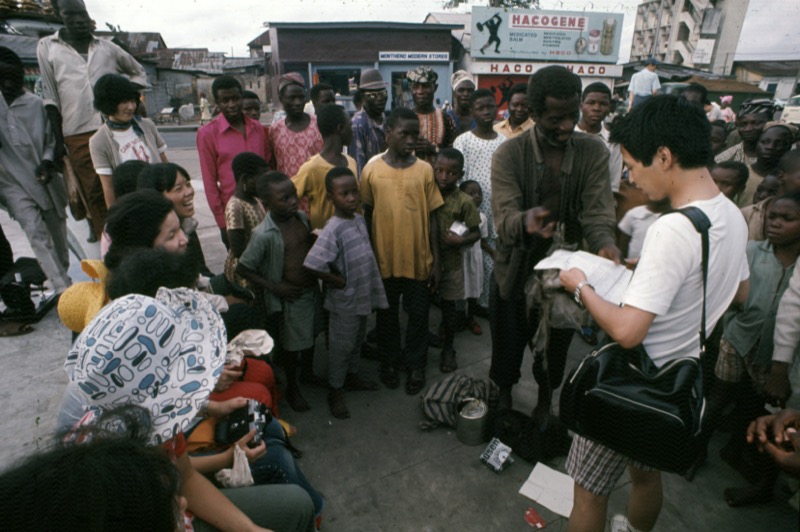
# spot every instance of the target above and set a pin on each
(448, 362)
(13, 328)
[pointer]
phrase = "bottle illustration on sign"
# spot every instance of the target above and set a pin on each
(607, 42)
(594, 41)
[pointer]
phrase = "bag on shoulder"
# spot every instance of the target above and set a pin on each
(440, 402)
(620, 399)
(617, 397)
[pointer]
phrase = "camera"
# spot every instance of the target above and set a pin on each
(239, 422)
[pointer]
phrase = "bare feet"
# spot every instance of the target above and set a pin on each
(336, 404)
(296, 399)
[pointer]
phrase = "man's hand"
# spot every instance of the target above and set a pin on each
(227, 378)
(774, 425)
(570, 279)
(535, 222)
(336, 281)
(46, 171)
(611, 252)
(252, 453)
(778, 387)
(452, 240)
(424, 146)
(220, 409)
(434, 278)
(287, 291)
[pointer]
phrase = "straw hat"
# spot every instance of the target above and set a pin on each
(81, 302)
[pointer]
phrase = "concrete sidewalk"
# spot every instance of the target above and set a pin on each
(378, 470)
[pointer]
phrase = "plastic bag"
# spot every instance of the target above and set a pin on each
(239, 475)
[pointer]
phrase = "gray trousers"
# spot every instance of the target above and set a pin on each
(47, 234)
(278, 507)
(345, 336)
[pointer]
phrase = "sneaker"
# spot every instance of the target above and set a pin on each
(619, 523)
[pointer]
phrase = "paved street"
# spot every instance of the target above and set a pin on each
(377, 469)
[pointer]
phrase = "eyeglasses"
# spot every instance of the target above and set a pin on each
(383, 93)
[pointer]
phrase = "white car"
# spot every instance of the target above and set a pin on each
(791, 111)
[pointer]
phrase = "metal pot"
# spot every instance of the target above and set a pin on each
(472, 423)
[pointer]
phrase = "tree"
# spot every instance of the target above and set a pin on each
(522, 4)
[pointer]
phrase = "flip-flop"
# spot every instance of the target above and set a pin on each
(15, 329)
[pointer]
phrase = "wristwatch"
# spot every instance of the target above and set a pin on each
(578, 288)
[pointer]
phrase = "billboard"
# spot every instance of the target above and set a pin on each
(534, 35)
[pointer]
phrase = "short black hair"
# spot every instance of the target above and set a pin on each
(57, 8)
(8, 56)
(400, 113)
(335, 173)
(789, 161)
(665, 121)
(250, 95)
(160, 177)
(318, 88)
(452, 154)
(329, 117)
(791, 196)
(264, 181)
(480, 93)
(225, 82)
(358, 98)
(125, 177)
(722, 124)
(597, 86)
(248, 164)
(517, 88)
(91, 486)
(113, 89)
(553, 81)
(134, 222)
(468, 183)
(149, 269)
(742, 172)
(699, 89)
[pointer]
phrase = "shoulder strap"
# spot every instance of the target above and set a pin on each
(702, 224)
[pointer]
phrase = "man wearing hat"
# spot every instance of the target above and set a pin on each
(461, 112)
(753, 115)
(644, 84)
(436, 128)
(369, 137)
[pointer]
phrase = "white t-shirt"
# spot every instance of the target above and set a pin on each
(472, 260)
(132, 147)
(668, 280)
(635, 224)
(614, 156)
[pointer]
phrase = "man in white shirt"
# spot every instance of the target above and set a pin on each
(71, 61)
(665, 145)
(643, 85)
(595, 106)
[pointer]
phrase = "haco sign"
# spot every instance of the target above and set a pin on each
(522, 34)
(581, 69)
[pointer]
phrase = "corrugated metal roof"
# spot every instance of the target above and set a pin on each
(463, 34)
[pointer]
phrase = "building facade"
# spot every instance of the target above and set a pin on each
(700, 34)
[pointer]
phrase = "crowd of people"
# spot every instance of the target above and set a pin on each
(329, 221)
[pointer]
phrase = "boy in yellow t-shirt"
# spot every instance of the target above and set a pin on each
(400, 197)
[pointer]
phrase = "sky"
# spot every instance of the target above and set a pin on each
(229, 25)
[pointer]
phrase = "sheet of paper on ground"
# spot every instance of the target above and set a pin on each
(551, 489)
(608, 279)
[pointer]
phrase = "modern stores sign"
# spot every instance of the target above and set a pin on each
(426, 57)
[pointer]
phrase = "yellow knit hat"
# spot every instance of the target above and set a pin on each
(81, 302)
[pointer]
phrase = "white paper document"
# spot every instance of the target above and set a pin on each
(608, 279)
(551, 489)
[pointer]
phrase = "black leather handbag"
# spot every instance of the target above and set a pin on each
(620, 399)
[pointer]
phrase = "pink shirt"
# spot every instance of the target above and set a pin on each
(217, 144)
(293, 149)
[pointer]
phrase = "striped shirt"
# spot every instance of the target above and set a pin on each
(344, 247)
